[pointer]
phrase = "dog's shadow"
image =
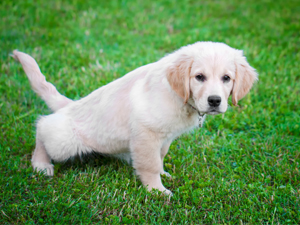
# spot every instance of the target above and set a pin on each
(89, 162)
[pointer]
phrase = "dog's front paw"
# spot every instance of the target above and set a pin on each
(166, 174)
(46, 168)
(161, 188)
(167, 192)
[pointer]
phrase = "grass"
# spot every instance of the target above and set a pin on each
(240, 168)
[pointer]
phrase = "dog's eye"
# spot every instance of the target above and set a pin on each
(200, 77)
(226, 78)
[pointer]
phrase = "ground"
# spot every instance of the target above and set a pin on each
(241, 167)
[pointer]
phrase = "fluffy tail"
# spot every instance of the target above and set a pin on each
(44, 89)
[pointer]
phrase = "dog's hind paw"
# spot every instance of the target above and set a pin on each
(46, 168)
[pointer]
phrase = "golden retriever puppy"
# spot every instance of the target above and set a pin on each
(137, 116)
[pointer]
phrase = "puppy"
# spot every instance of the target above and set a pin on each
(137, 116)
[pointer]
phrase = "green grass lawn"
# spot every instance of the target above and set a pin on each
(240, 168)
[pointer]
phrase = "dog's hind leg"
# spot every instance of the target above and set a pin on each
(57, 139)
(41, 160)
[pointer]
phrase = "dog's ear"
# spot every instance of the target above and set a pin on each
(178, 76)
(245, 76)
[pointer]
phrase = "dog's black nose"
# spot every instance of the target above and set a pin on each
(214, 100)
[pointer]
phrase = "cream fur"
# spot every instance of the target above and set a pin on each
(137, 116)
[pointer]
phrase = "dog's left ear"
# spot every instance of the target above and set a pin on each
(178, 76)
(245, 76)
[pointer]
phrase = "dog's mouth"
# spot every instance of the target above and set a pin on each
(209, 110)
(213, 111)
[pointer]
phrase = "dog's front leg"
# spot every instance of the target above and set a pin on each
(163, 152)
(146, 156)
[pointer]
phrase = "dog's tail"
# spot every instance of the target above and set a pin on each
(44, 89)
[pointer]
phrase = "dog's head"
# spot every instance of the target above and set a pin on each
(205, 74)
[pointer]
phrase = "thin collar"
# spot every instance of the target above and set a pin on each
(201, 115)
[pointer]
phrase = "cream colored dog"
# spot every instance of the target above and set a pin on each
(137, 116)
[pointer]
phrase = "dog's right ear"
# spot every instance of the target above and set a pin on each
(178, 76)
